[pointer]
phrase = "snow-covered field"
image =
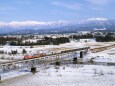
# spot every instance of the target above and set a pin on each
(67, 75)
(48, 49)
(104, 56)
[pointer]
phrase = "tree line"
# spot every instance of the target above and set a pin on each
(12, 52)
(99, 38)
(45, 41)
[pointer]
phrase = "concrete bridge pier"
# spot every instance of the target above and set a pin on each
(81, 54)
(75, 58)
(57, 63)
(33, 70)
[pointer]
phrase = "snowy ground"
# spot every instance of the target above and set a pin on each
(48, 49)
(67, 75)
(3, 61)
(104, 56)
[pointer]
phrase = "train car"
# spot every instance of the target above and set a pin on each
(38, 55)
(33, 56)
(28, 57)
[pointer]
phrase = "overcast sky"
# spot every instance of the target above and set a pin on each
(54, 10)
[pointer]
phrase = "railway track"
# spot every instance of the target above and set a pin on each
(99, 49)
(41, 60)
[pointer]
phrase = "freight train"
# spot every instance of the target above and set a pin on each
(33, 56)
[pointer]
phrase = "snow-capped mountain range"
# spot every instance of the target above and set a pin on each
(56, 26)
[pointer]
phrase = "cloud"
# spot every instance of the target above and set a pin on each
(73, 6)
(99, 5)
(20, 24)
(16, 24)
(99, 2)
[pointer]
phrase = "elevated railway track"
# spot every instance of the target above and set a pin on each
(63, 55)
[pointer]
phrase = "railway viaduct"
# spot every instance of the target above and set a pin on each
(47, 59)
